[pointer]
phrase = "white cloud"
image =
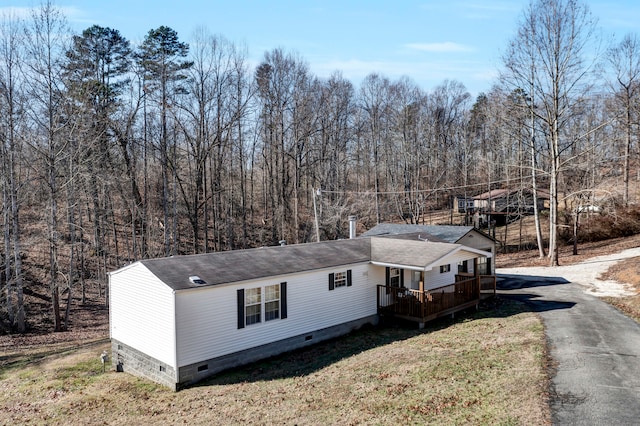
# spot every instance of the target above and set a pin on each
(355, 69)
(444, 47)
(426, 74)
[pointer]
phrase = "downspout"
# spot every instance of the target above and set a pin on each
(175, 342)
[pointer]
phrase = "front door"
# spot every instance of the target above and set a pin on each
(395, 277)
(416, 278)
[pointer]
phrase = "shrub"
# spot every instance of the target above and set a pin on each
(596, 227)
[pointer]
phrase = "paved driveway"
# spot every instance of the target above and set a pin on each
(594, 347)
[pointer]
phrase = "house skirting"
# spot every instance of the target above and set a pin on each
(196, 372)
(130, 360)
(127, 359)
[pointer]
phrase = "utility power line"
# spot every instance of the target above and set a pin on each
(431, 191)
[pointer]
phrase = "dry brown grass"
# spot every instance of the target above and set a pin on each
(628, 272)
(565, 253)
(486, 369)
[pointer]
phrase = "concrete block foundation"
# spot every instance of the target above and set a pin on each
(127, 359)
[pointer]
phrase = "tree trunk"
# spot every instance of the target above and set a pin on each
(576, 218)
(8, 286)
(534, 187)
(553, 202)
(627, 154)
(53, 228)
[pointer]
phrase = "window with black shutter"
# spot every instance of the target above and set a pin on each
(340, 279)
(259, 304)
(283, 300)
(241, 308)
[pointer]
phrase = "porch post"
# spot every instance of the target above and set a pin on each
(423, 308)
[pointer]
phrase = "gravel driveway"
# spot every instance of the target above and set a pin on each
(595, 348)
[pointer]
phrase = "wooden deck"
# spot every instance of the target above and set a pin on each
(423, 306)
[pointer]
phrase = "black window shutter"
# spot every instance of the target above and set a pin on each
(348, 277)
(241, 308)
(387, 278)
(331, 281)
(401, 277)
(283, 300)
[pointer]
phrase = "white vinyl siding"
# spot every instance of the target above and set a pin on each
(376, 276)
(207, 317)
(141, 312)
(435, 278)
(478, 241)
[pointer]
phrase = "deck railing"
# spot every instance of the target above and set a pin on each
(487, 286)
(487, 283)
(426, 305)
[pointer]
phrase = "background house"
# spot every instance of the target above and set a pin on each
(509, 201)
(178, 320)
(463, 203)
(503, 205)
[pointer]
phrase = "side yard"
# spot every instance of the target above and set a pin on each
(488, 367)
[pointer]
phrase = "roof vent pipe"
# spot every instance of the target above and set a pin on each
(352, 227)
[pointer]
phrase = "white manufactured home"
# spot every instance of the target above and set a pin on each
(178, 320)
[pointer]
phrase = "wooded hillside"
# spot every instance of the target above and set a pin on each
(112, 152)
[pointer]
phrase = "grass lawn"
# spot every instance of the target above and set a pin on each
(488, 367)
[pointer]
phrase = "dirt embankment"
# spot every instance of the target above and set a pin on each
(565, 253)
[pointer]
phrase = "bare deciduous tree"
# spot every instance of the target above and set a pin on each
(548, 58)
(46, 38)
(625, 84)
(11, 120)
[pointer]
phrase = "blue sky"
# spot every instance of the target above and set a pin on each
(427, 40)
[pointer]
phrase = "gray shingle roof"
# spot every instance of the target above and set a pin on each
(413, 236)
(241, 265)
(446, 233)
(417, 254)
(405, 250)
